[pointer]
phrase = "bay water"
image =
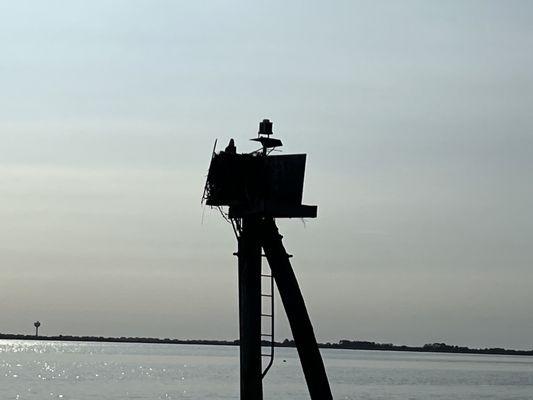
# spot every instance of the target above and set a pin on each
(85, 370)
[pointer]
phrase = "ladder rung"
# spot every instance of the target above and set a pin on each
(267, 338)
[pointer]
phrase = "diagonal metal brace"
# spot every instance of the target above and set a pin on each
(291, 296)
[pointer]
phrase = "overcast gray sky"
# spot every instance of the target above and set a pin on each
(416, 117)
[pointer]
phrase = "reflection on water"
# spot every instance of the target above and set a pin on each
(83, 371)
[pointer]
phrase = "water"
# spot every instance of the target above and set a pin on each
(104, 371)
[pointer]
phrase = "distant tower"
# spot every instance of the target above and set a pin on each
(258, 188)
(36, 324)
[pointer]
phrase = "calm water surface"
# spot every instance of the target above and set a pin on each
(83, 371)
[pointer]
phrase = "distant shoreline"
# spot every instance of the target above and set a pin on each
(343, 344)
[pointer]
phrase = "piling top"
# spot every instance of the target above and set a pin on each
(258, 183)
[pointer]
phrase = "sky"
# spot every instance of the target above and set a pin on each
(415, 115)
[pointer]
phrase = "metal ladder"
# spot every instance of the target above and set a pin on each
(267, 336)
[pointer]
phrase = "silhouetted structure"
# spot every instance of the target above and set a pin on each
(36, 324)
(259, 187)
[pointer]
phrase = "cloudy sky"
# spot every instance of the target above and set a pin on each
(416, 117)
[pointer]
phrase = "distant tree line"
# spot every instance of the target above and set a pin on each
(342, 344)
(430, 347)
